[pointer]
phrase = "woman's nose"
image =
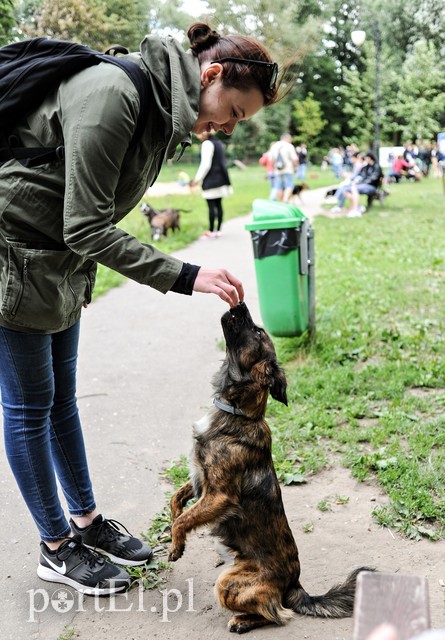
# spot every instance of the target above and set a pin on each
(229, 127)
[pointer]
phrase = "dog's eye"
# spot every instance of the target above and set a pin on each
(257, 331)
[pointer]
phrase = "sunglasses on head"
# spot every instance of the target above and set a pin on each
(272, 66)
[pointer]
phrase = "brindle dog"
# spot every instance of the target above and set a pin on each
(239, 494)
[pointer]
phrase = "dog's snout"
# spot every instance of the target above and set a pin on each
(237, 318)
(236, 314)
(240, 311)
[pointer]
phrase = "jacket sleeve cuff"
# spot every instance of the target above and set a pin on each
(186, 279)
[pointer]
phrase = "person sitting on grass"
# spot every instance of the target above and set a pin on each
(399, 166)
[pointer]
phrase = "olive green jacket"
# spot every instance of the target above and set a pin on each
(58, 220)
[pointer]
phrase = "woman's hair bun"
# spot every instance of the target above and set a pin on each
(201, 37)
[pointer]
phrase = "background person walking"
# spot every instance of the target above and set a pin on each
(302, 161)
(215, 181)
(285, 161)
(266, 161)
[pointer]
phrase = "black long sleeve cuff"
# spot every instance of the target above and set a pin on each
(186, 279)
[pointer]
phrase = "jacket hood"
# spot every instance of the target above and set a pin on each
(175, 78)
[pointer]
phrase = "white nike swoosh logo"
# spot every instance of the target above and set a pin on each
(59, 568)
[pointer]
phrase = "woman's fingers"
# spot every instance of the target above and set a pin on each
(220, 282)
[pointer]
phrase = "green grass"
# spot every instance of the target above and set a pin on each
(154, 574)
(68, 633)
(371, 388)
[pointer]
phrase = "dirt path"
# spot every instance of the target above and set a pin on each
(167, 189)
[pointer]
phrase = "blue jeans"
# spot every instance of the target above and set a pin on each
(340, 194)
(366, 189)
(283, 181)
(338, 170)
(43, 434)
(301, 171)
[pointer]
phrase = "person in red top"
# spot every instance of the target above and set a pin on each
(267, 161)
(398, 166)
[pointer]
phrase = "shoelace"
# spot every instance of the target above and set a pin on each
(110, 532)
(89, 556)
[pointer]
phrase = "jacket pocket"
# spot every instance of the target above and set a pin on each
(41, 288)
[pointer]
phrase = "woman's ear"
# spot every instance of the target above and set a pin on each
(210, 73)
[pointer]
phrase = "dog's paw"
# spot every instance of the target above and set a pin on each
(237, 626)
(175, 553)
(244, 622)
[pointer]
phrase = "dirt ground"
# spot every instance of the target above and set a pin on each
(339, 540)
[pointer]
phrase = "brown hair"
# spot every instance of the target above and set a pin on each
(207, 44)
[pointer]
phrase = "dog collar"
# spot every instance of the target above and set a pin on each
(227, 407)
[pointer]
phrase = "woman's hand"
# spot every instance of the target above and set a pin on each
(220, 282)
(384, 632)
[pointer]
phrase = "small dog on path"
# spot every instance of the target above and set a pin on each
(298, 190)
(161, 221)
(233, 477)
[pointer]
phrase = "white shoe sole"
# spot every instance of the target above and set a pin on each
(121, 561)
(45, 573)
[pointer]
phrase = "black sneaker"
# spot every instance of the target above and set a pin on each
(79, 567)
(103, 536)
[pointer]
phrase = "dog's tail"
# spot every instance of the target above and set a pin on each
(274, 612)
(338, 602)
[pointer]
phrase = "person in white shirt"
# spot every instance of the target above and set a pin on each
(215, 181)
(285, 161)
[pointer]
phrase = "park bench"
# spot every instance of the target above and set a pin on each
(379, 195)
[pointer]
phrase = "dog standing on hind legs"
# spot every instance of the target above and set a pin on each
(233, 477)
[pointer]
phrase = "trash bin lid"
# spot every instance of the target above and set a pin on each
(268, 214)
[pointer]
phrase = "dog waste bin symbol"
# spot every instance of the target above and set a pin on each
(283, 247)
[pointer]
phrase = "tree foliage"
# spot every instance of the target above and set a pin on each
(7, 20)
(308, 119)
(345, 84)
(330, 85)
(277, 23)
(421, 95)
(92, 22)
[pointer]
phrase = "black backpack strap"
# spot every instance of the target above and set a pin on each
(32, 157)
(114, 49)
(140, 81)
(29, 156)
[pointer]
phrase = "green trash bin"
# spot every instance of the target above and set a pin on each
(283, 247)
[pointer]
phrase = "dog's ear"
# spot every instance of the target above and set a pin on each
(279, 384)
(268, 374)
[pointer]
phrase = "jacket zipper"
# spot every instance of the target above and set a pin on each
(23, 281)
